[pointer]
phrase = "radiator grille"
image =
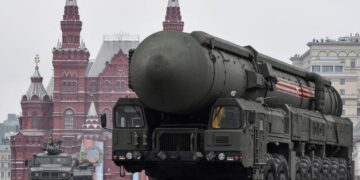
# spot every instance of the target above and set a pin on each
(45, 174)
(175, 142)
(54, 174)
(222, 140)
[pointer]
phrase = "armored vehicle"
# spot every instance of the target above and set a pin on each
(51, 164)
(83, 170)
(211, 109)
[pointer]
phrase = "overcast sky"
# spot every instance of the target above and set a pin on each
(279, 28)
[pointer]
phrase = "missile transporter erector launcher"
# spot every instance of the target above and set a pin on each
(210, 109)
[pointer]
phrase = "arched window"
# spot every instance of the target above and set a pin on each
(34, 121)
(121, 86)
(93, 87)
(108, 118)
(73, 86)
(107, 87)
(69, 119)
(64, 86)
(118, 86)
(69, 86)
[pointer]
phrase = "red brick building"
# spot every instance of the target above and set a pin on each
(80, 89)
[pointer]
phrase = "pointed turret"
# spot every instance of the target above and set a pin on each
(92, 120)
(36, 90)
(70, 45)
(173, 17)
(36, 104)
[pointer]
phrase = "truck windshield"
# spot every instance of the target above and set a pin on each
(64, 161)
(226, 117)
(129, 117)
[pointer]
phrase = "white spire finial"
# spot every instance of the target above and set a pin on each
(37, 60)
(82, 44)
(173, 3)
(71, 3)
(58, 44)
(92, 110)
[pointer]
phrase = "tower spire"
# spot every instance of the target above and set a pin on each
(173, 17)
(71, 25)
(36, 87)
(92, 120)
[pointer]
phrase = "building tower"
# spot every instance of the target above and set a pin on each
(173, 17)
(70, 59)
(36, 104)
(35, 124)
(92, 120)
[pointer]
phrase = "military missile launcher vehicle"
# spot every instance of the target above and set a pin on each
(211, 109)
(53, 163)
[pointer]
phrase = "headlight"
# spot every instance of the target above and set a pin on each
(64, 174)
(221, 156)
(137, 155)
(230, 158)
(129, 155)
(121, 157)
(210, 156)
(35, 174)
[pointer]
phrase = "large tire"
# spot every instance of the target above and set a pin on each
(343, 169)
(317, 165)
(326, 169)
(298, 172)
(282, 168)
(270, 168)
(306, 167)
(334, 170)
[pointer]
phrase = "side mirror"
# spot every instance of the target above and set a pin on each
(26, 163)
(103, 120)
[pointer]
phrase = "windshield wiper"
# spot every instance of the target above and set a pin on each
(137, 112)
(217, 113)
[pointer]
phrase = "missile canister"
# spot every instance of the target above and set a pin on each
(181, 73)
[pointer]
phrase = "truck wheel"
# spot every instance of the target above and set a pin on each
(305, 167)
(334, 170)
(325, 169)
(270, 169)
(343, 169)
(298, 174)
(317, 163)
(282, 168)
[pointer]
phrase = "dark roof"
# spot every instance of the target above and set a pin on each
(36, 87)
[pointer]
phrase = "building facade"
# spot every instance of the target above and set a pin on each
(5, 157)
(78, 92)
(9, 127)
(339, 61)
